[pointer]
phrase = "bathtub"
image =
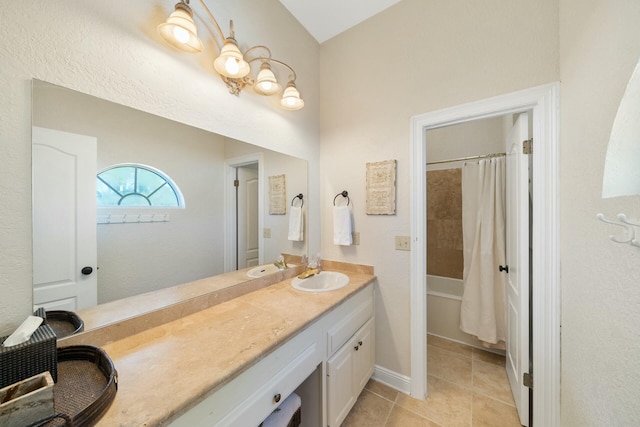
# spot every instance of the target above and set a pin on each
(444, 297)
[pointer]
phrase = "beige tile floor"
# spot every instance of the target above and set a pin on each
(466, 386)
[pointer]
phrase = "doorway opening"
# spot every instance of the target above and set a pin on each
(542, 101)
(244, 197)
(477, 261)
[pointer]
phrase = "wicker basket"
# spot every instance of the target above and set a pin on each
(87, 384)
(64, 323)
(30, 358)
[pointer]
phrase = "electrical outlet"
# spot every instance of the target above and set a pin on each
(266, 233)
(355, 237)
(403, 243)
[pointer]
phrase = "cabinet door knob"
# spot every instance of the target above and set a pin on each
(356, 348)
(359, 342)
(277, 398)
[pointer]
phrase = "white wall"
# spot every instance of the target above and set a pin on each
(295, 172)
(415, 57)
(111, 50)
(128, 254)
(599, 47)
(464, 140)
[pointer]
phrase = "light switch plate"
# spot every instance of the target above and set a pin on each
(403, 243)
(266, 233)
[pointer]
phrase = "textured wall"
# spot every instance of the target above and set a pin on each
(111, 50)
(444, 223)
(599, 48)
(415, 57)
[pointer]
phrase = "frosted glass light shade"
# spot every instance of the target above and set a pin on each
(266, 83)
(231, 63)
(180, 31)
(291, 98)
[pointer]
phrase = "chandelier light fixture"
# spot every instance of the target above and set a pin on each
(234, 67)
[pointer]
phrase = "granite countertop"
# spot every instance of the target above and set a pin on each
(166, 370)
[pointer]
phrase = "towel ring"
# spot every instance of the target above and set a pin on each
(299, 196)
(343, 194)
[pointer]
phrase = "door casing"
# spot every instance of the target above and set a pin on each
(230, 166)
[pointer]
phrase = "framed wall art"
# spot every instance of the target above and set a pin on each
(381, 188)
(277, 195)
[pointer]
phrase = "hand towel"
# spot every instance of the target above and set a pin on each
(341, 225)
(296, 224)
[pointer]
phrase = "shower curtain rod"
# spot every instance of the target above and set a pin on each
(484, 156)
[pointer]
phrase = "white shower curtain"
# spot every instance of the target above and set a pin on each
(483, 308)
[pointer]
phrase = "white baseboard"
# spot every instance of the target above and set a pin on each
(393, 379)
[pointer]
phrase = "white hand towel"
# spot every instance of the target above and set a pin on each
(296, 224)
(341, 225)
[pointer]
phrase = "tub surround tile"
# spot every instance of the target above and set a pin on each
(444, 223)
(444, 193)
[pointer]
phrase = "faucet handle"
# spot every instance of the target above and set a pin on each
(304, 260)
(318, 262)
(282, 260)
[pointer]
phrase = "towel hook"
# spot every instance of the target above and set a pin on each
(344, 194)
(626, 224)
(299, 196)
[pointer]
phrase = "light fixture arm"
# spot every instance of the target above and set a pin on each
(233, 66)
(215, 23)
(293, 73)
(269, 59)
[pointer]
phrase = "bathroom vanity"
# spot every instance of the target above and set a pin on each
(233, 363)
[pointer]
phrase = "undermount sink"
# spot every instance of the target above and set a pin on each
(263, 270)
(324, 281)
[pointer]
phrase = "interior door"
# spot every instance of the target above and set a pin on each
(248, 242)
(517, 291)
(64, 220)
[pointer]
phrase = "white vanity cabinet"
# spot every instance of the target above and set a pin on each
(298, 365)
(348, 371)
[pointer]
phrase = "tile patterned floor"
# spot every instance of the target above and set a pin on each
(467, 387)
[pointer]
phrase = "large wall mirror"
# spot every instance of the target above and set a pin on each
(139, 249)
(621, 171)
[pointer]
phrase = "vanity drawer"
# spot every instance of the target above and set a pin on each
(340, 333)
(269, 396)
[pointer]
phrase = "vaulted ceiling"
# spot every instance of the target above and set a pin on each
(325, 19)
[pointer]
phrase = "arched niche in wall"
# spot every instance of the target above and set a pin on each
(622, 164)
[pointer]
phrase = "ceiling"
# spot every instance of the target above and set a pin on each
(325, 19)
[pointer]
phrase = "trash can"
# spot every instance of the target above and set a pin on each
(288, 414)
